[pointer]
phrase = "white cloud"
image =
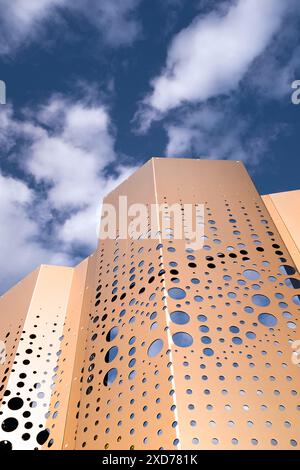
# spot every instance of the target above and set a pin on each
(72, 157)
(82, 228)
(274, 71)
(114, 18)
(210, 57)
(65, 148)
(22, 21)
(192, 130)
(218, 131)
(20, 250)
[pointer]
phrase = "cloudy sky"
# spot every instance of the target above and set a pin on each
(97, 87)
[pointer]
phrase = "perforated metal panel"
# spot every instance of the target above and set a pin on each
(149, 344)
(217, 324)
(29, 385)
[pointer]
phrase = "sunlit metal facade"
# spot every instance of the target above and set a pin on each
(148, 344)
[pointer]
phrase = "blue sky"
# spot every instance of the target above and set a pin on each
(95, 88)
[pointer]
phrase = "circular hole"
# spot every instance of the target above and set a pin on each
(10, 424)
(260, 300)
(176, 293)
(179, 317)
(110, 377)
(183, 340)
(288, 270)
(155, 348)
(112, 333)
(42, 436)
(208, 352)
(267, 319)
(111, 354)
(15, 403)
(5, 445)
(234, 329)
(202, 318)
(296, 299)
(206, 340)
(237, 340)
(251, 274)
(292, 283)
(250, 335)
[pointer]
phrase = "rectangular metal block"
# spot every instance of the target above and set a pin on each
(193, 349)
(284, 209)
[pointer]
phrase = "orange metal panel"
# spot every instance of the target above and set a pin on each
(122, 360)
(13, 310)
(59, 406)
(284, 208)
(127, 414)
(79, 325)
(28, 393)
(235, 386)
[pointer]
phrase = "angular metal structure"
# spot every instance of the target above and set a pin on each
(148, 344)
(284, 210)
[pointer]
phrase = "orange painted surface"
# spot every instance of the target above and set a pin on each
(117, 362)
